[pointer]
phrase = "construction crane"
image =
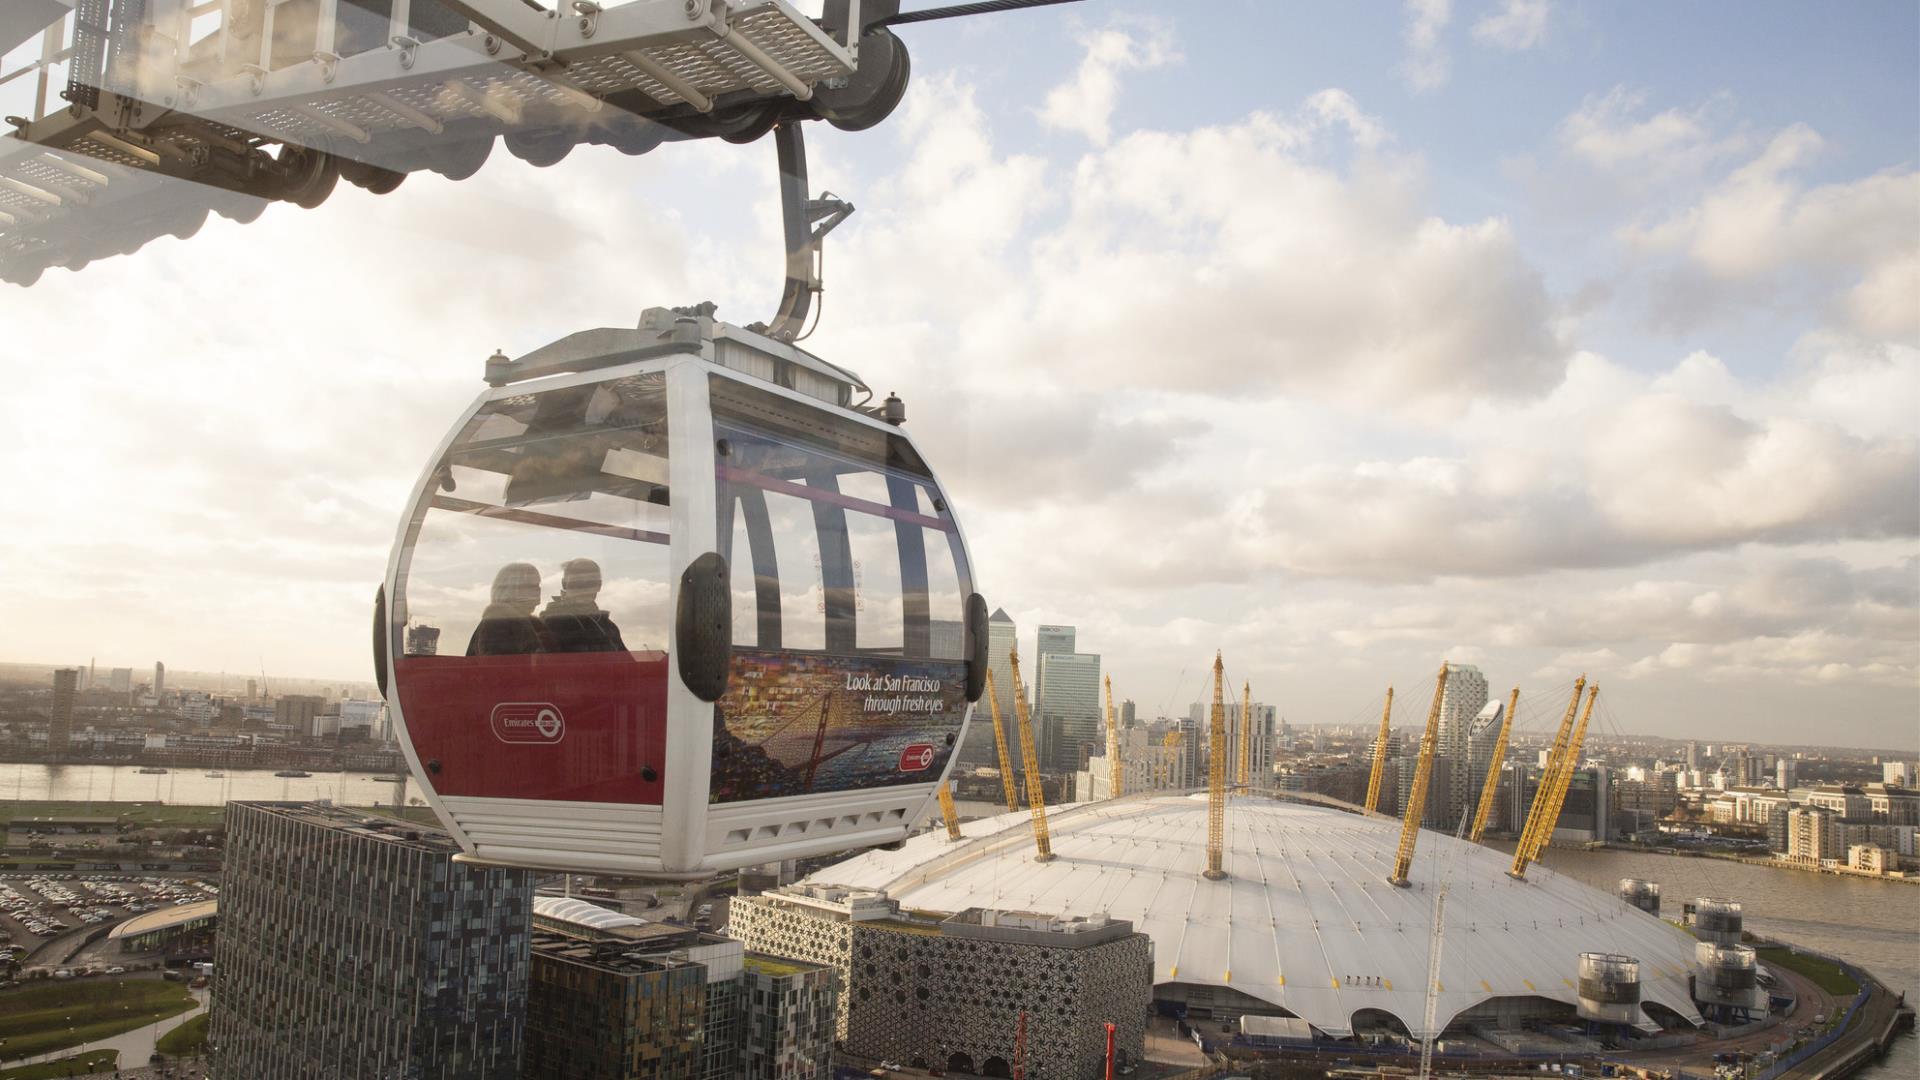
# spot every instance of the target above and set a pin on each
(1217, 776)
(1492, 786)
(1030, 758)
(1417, 798)
(1380, 756)
(1246, 734)
(1562, 780)
(1116, 772)
(947, 811)
(1000, 744)
(1541, 797)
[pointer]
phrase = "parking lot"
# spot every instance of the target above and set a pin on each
(36, 908)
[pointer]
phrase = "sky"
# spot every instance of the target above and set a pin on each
(1343, 338)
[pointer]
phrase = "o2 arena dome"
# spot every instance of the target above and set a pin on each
(1305, 923)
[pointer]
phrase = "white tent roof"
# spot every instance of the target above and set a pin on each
(575, 910)
(1306, 919)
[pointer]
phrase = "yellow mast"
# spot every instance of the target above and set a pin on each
(1116, 772)
(1564, 780)
(1379, 756)
(1246, 733)
(1422, 775)
(1171, 741)
(947, 811)
(1000, 744)
(1540, 797)
(1216, 777)
(1036, 797)
(1492, 786)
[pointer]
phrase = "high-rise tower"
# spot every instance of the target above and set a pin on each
(66, 682)
(1460, 706)
(979, 748)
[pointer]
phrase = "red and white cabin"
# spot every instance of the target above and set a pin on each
(667, 602)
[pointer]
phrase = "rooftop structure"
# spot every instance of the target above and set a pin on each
(142, 931)
(1305, 921)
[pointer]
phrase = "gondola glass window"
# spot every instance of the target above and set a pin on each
(548, 531)
(849, 585)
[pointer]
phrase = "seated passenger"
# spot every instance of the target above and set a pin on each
(507, 626)
(574, 619)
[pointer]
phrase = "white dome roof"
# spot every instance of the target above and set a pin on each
(1306, 919)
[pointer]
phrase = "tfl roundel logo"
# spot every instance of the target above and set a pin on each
(917, 758)
(528, 722)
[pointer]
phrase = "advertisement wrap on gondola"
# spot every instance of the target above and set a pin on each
(795, 724)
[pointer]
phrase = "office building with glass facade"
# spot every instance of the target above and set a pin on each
(354, 946)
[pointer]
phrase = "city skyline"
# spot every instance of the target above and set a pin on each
(1613, 372)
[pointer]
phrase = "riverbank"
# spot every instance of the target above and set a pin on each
(1866, 922)
(1749, 860)
(313, 758)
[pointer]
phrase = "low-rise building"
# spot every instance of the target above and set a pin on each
(1870, 857)
(614, 997)
(599, 1010)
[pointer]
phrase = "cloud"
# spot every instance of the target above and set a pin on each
(1307, 278)
(1761, 232)
(1291, 236)
(1426, 66)
(1608, 132)
(1517, 25)
(1612, 471)
(1085, 103)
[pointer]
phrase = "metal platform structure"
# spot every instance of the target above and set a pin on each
(250, 101)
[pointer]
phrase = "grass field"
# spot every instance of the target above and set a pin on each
(150, 814)
(53, 1016)
(188, 1038)
(1827, 976)
(79, 1065)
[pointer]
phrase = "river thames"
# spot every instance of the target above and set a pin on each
(1874, 924)
(186, 785)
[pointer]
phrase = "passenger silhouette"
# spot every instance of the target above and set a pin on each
(507, 626)
(574, 619)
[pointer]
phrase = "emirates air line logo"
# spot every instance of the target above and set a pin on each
(528, 722)
(917, 758)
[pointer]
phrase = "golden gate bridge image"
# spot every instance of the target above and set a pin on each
(790, 726)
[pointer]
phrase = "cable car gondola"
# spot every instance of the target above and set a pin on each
(666, 602)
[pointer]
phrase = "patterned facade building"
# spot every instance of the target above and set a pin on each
(948, 992)
(353, 946)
